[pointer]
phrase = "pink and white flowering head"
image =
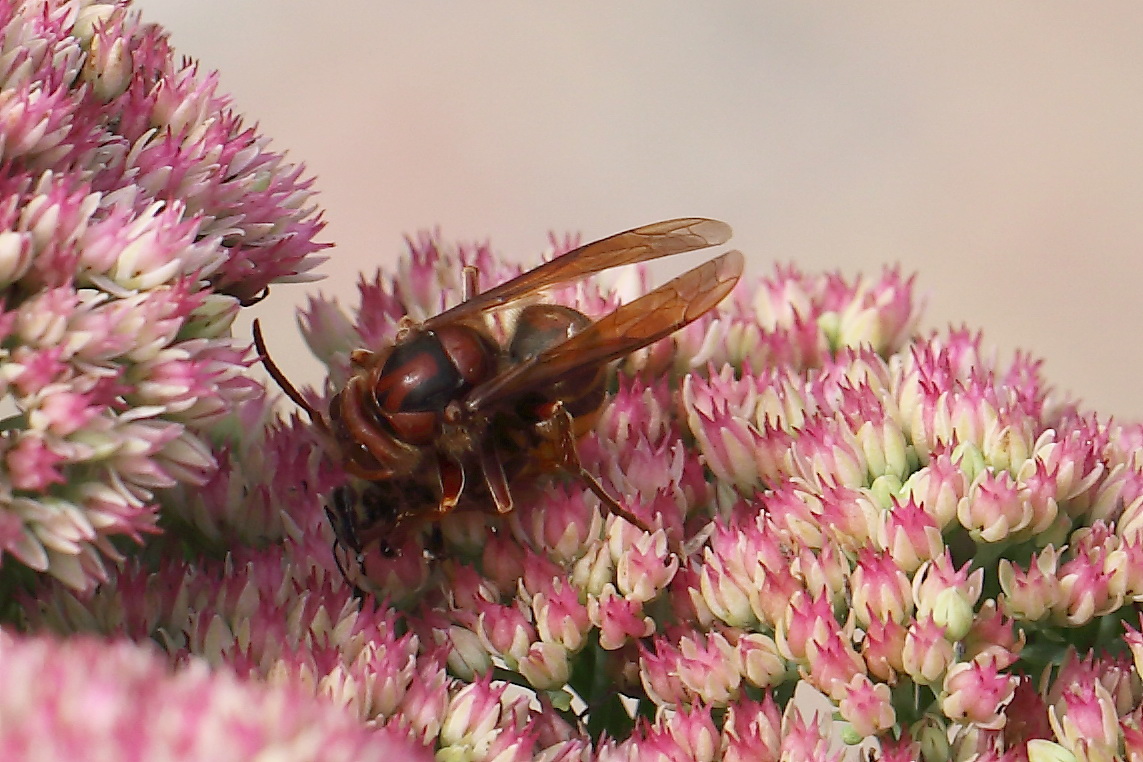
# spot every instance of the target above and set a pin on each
(138, 214)
(123, 700)
(834, 547)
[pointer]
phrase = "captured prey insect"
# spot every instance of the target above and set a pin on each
(447, 410)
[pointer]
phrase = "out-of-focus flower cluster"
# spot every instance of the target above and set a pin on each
(137, 214)
(904, 525)
(84, 698)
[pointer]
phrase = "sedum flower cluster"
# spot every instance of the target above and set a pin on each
(137, 214)
(899, 526)
(83, 698)
(862, 540)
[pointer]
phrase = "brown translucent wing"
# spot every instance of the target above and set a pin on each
(632, 326)
(660, 239)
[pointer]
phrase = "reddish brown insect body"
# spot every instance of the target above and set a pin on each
(446, 404)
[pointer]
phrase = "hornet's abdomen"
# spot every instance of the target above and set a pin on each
(542, 326)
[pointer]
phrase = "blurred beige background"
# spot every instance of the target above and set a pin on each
(994, 149)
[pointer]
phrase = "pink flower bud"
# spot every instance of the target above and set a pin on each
(1084, 590)
(328, 332)
(762, 665)
(1029, 594)
(752, 731)
(723, 596)
(508, 745)
(595, 572)
(825, 571)
(33, 465)
(1085, 721)
(805, 619)
(399, 577)
(832, 662)
(1121, 493)
(883, 446)
(659, 677)
(468, 656)
(502, 560)
(950, 610)
(882, 648)
(560, 616)
(934, 578)
(545, 666)
(826, 452)
(617, 618)
(505, 631)
(643, 564)
(880, 589)
(423, 708)
(805, 739)
(910, 535)
(472, 715)
(993, 633)
(866, 706)
(728, 445)
(927, 653)
(977, 692)
(695, 734)
(994, 507)
(565, 529)
(937, 488)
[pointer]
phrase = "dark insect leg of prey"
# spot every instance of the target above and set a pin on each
(340, 516)
(358, 593)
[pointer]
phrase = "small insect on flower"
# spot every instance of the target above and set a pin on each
(446, 404)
